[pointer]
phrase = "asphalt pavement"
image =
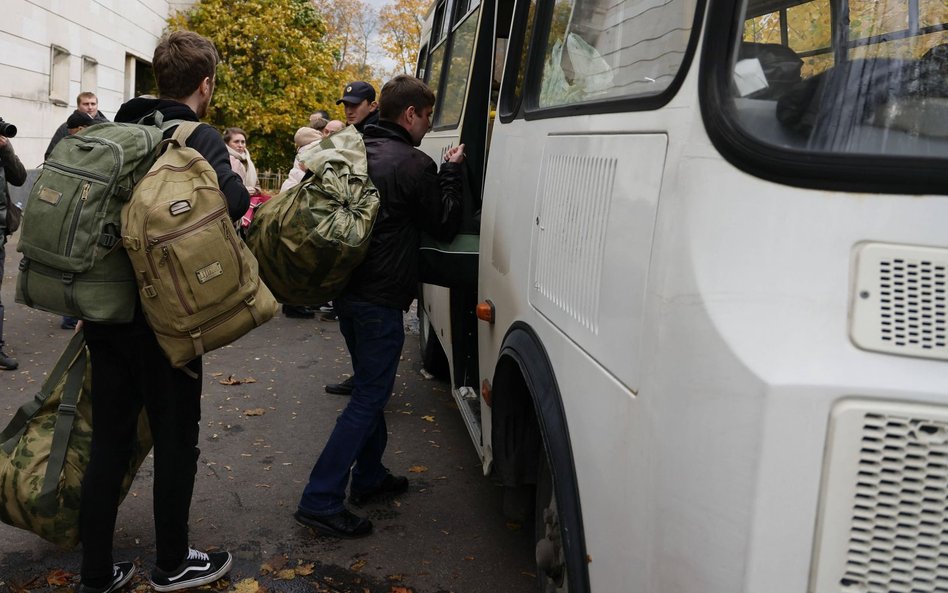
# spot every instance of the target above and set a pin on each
(265, 420)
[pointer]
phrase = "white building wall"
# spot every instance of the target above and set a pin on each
(107, 31)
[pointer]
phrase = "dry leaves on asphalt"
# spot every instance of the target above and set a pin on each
(417, 469)
(232, 380)
(428, 418)
(249, 585)
(59, 578)
(255, 412)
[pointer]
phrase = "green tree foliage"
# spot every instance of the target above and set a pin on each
(400, 31)
(276, 68)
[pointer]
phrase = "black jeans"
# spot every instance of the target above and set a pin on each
(129, 372)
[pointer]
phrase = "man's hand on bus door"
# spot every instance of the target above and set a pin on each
(455, 155)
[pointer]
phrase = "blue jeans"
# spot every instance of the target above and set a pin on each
(374, 336)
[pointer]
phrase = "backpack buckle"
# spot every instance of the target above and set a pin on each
(67, 277)
(67, 409)
(108, 241)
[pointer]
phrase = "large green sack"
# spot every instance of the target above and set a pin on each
(73, 261)
(45, 449)
(310, 238)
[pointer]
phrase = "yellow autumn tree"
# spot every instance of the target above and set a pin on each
(400, 32)
(351, 26)
(276, 68)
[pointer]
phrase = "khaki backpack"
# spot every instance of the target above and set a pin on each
(311, 237)
(45, 449)
(197, 280)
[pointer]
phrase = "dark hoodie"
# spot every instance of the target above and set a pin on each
(207, 141)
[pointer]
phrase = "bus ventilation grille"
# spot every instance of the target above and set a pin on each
(899, 300)
(892, 469)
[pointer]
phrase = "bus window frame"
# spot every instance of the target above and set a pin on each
(528, 105)
(848, 172)
(448, 40)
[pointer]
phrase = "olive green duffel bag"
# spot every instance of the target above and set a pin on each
(310, 238)
(44, 452)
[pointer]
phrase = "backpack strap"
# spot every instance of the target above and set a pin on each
(184, 131)
(22, 417)
(65, 417)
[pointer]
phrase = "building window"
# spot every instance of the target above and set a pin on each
(90, 75)
(59, 76)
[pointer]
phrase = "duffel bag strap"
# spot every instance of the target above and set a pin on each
(74, 348)
(65, 417)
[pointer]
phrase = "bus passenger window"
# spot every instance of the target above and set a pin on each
(458, 71)
(887, 96)
(599, 50)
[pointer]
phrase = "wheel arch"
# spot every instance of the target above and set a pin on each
(528, 420)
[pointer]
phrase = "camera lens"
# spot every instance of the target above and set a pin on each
(8, 130)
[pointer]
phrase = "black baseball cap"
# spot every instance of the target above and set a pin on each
(357, 92)
(79, 119)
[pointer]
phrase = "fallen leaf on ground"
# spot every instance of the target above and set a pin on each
(357, 565)
(417, 469)
(248, 586)
(255, 412)
(428, 418)
(273, 564)
(58, 578)
(400, 589)
(304, 570)
(287, 574)
(232, 380)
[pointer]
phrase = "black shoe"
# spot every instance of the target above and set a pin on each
(298, 312)
(196, 570)
(341, 524)
(68, 323)
(121, 574)
(8, 363)
(344, 388)
(389, 486)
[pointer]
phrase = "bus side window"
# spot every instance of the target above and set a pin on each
(521, 38)
(599, 50)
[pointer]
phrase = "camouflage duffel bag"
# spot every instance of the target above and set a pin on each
(310, 238)
(45, 449)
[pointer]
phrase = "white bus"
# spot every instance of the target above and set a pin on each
(699, 304)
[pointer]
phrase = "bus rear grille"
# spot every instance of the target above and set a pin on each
(884, 517)
(899, 300)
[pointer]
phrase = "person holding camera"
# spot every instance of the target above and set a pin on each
(13, 172)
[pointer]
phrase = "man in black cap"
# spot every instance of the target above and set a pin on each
(360, 105)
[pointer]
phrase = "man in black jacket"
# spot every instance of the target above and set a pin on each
(86, 103)
(415, 197)
(129, 370)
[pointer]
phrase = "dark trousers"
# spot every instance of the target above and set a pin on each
(127, 373)
(374, 336)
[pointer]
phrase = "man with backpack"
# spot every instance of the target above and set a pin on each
(11, 171)
(414, 197)
(129, 369)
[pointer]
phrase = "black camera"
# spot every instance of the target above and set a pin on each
(7, 129)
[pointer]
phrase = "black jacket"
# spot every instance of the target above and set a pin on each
(207, 141)
(11, 171)
(372, 119)
(415, 197)
(62, 131)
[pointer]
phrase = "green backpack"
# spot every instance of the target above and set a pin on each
(310, 238)
(199, 285)
(45, 449)
(73, 261)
